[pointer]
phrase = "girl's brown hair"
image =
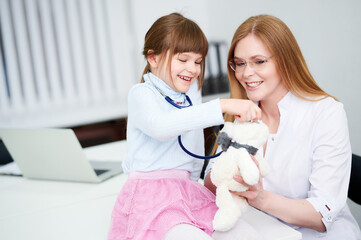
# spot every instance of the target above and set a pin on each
(286, 53)
(176, 34)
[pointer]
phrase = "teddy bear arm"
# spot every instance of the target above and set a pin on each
(263, 166)
(247, 168)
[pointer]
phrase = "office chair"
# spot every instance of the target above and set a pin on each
(4, 154)
(354, 190)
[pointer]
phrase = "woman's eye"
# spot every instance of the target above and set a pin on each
(240, 64)
(198, 62)
(259, 62)
(182, 60)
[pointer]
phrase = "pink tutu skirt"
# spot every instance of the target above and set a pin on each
(150, 203)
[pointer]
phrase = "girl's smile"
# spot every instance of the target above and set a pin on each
(184, 70)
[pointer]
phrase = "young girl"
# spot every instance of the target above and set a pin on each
(162, 189)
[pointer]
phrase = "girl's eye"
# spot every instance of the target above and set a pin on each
(182, 60)
(198, 62)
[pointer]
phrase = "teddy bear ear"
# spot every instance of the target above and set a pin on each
(224, 140)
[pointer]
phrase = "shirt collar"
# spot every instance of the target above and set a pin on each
(163, 88)
(285, 103)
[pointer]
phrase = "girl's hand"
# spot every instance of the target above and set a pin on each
(244, 110)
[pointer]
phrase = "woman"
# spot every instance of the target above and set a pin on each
(308, 149)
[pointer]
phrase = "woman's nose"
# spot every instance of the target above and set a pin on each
(248, 70)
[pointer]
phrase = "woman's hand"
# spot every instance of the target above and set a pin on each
(244, 110)
(255, 194)
(297, 212)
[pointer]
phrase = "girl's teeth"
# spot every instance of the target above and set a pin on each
(185, 78)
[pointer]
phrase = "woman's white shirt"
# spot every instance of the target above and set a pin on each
(310, 158)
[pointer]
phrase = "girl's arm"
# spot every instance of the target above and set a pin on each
(208, 183)
(153, 115)
(244, 110)
(150, 113)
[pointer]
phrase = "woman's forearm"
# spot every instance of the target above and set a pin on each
(298, 212)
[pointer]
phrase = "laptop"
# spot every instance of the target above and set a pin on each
(55, 154)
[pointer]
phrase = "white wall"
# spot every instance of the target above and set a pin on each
(328, 33)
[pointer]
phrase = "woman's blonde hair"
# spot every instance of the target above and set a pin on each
(174, 33)
(287, 56)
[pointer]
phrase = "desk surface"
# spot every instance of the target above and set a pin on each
(36, 209)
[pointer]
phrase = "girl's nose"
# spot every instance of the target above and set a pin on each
(192, 67)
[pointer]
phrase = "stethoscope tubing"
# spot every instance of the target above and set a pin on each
(169, 100)
(195, 155)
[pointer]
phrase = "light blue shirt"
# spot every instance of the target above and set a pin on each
(154, 125)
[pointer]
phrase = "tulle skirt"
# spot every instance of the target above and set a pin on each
(150, 203)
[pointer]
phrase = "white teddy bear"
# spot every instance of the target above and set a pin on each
(238, 141)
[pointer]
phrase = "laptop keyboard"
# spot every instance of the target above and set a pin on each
(100, 171)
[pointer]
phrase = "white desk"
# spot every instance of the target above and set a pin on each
(35, 209)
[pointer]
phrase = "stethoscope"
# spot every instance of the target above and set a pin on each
(169, 100)
(225, 144)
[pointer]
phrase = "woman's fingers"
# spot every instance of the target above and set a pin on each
(254, 160)
(240, 180)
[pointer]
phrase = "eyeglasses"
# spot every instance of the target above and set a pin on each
(257, 63)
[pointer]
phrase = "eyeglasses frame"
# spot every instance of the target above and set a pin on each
(251, 64)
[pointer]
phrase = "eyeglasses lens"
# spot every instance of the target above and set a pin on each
(239, 65)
